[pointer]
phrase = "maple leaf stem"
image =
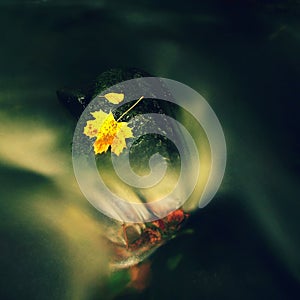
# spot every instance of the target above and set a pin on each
(129, 109)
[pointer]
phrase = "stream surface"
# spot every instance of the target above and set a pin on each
(244, 59)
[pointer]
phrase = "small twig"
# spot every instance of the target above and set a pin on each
(130, 108)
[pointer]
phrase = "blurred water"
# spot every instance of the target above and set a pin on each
(244, 59)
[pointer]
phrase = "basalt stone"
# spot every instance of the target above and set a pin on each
(76, 100)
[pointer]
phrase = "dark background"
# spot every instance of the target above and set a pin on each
(242, 56)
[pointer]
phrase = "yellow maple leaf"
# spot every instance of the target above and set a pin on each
(108, 131)
(114, 98)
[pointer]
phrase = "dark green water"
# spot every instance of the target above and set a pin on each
(244, 59)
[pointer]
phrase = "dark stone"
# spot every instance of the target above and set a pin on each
(145, 145)
(76, 100)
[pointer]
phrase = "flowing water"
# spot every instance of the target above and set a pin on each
(244, 59)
